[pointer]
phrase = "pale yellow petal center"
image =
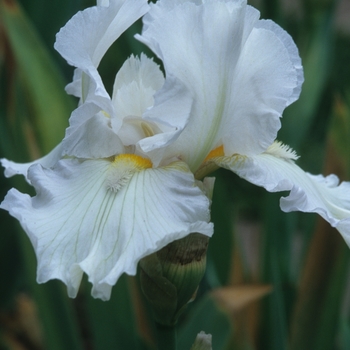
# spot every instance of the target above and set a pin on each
(123, 167)
(209, 165)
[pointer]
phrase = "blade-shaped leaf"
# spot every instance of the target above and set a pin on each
(44, 86)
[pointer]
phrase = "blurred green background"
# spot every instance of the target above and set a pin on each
(274, 280)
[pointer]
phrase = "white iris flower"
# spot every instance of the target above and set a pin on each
(124, 182)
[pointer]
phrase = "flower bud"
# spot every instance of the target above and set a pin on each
(170, 277)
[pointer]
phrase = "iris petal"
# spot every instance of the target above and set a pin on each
(277, 171)
(242, 74)
(86, 37)
(77, 223)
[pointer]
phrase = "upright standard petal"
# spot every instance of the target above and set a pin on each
(84, 40)
(90, 134)
(150, 111)
(133, 93)
(241, 74)
(101, 217)
(275, 170)
(86, 37)
(171, 112)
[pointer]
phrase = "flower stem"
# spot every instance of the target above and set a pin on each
(166, 337)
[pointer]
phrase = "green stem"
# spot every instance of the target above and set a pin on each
(166, 337)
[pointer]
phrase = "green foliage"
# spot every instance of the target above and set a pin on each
(205, 316)
(41, 84)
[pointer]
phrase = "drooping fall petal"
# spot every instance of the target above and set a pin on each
(275, 170)
(102, 217)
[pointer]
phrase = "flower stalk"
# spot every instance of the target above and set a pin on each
(166, 337)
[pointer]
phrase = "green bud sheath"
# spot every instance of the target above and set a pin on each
(170, 277)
